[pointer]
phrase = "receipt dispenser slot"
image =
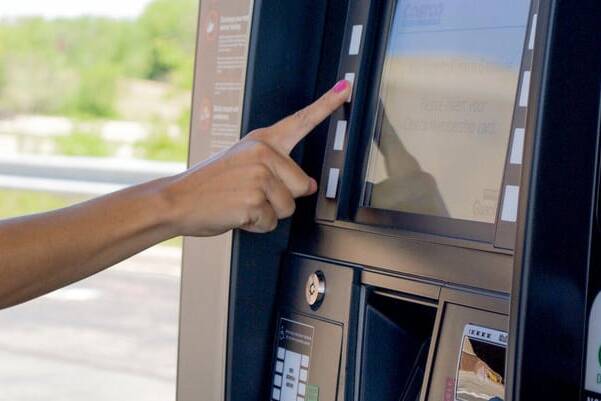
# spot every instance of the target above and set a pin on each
(396, 340)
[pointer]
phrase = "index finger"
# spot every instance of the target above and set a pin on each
(287, 133)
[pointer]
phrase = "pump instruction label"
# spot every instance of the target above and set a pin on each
(222, 61)
(293, 358)
(593, 353)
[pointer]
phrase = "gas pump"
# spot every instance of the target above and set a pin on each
(452, 251)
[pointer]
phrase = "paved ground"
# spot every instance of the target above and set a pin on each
(112, 337)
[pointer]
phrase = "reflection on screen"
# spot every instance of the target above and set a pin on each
(446, 106)
(481, 374)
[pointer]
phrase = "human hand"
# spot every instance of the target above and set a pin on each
(254, 183)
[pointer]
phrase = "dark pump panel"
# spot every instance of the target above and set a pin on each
(432, 142)
(395, 282)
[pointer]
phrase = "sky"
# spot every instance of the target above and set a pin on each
(72, 8)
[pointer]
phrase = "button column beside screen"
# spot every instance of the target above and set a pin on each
(525, 89)
(517, 147)
(350, 76)
(510, 203)
(355, 44)
(533, 32)
(339, 137)
(332, 188)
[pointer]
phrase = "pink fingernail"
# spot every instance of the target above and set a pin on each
(341, 86)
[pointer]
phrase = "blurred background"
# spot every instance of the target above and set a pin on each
(94, 96)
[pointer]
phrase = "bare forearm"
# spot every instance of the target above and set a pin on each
(44, 252)
(249, 186)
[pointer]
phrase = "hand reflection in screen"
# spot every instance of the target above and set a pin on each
(407, 188)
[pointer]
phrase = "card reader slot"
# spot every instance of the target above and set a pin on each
(396, 341)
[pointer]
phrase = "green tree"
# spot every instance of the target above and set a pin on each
(83, 144)
(97, 91)
(77, 66)
(171, 28)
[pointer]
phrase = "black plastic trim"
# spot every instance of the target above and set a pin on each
(554, 245)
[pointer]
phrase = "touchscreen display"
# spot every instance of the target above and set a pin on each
(481, 371)
(446, 102)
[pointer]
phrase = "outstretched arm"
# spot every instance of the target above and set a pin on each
(249, 186)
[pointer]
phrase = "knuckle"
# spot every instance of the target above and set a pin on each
(255, 135)
(261, 150)
(245, 218)
(290, 209)
(307, 185)
(285, 211)
(255, 199)
(261, 173)
(303, 186)
(272, 225)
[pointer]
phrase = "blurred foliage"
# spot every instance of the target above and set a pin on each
(96, 93)
(170, 27)
(16, 203)
(72, 66)
(83, 144)
(163, 145)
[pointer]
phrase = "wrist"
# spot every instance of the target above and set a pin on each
(165, 207)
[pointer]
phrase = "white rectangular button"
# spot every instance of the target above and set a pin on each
(517, 147)
(276, 394)
(290, 377)
(332, 188)
(279, 366)
(510, 204)
(277, 380)
(281, 353)
(301, 389)
(355, 44)
(525, 89)
(305, 358)
(350, 76)
(303, 375)
(532, 32)
(340, 135)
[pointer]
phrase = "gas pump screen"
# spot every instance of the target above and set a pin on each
(447, 92)
(481, 370)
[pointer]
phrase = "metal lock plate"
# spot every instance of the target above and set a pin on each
(315, 289)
